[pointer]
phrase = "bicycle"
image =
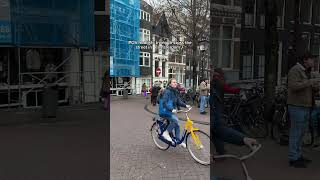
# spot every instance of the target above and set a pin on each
(194, 138)
(244, 114)
(254, 150)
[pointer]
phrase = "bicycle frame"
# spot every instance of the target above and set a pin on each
(188, 128)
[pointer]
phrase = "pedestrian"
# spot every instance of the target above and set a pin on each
(204, 90)
(144, 90)
(154, 93)
(105, 91)
(300, 97)
(167, 109)
(220, 131)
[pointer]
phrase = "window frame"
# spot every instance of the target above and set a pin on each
(220, 40)
(310, 13)
(144, 55)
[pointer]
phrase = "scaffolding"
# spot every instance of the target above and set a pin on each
(80, 80)
(54, 24)
(124, 27)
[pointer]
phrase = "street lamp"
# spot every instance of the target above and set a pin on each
(202, 52)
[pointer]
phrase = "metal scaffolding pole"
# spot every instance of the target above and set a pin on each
(8, 80)
(19, 73)
(94, 73)
(81, 84)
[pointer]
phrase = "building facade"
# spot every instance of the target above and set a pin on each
(55, 40)
(252, 35)
(161, 35)
(226, 17)
(145, 46)
(124, 50)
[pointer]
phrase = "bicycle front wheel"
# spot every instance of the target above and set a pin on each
(198, 144)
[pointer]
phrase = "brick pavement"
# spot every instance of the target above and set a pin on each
(143, 160)
(133, 153)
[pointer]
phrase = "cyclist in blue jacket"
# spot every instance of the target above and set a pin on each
(168, 104)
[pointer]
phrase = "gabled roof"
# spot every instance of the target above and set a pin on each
(161, 26)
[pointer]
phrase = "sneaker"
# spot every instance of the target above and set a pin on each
(183, 145)
(203, 112)
(166, 136)
(298, 164)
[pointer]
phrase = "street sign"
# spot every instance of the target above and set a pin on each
(158, 71)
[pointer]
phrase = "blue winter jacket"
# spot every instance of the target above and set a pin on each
(169, 100)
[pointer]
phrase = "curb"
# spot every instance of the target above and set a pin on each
(195, 121)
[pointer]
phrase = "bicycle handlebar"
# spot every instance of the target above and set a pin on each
(184, 111)
(254, 150)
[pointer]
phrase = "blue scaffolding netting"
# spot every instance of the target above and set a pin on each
(124, 27)
(58, 23)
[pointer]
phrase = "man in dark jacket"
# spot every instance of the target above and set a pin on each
(154, 94)
(220, 132)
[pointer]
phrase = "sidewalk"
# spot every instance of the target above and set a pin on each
(14, 116)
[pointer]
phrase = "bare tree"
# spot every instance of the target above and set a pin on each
(191, 19)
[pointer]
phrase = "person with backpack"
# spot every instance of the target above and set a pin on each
(168, 104)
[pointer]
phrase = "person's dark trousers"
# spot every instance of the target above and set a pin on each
(299, 117)
(220, 133)
(154, 100)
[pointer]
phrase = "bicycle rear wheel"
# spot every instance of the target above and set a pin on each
(254, 127)
(199, 146)
(155, 131)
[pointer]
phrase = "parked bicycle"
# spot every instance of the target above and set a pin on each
(245, 113)
(197, 141)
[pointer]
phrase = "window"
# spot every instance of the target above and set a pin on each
(290, 10)
(305, 11)
(316, 45)
(144, 35)
(305, 38)
(164, 49)
(259, 66)
(262, 21)
(145, 59)
(279, 22)
(163, 69)
(223, 46)
(237, 2)
(144, 15)
(156, 49)
(316, 12)
(247, 67)
(249, 20)
(156, 65)
(250, 11)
